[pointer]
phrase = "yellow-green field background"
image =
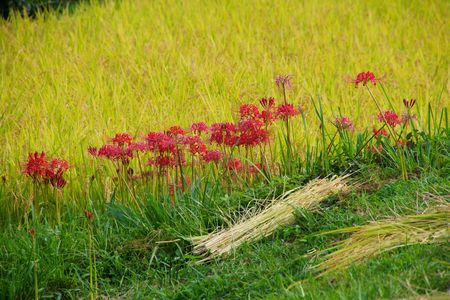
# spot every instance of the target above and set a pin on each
(70, 80)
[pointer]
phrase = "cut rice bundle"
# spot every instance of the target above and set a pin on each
(264, 223)
(372, 239)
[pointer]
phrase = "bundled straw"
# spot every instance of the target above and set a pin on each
(373, 239)
(264, 223)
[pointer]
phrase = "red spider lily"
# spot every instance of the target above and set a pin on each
(378, 132)
(224, 133)
(248, 112)
(93, 151)
(59, 165)
(343, 123)
(389, 117)
(36, 166)
(283, 81)
(364, 78)
(195, 143)
(267, 103)
(162, 161)
(58, 181)
(121, 139)
(409, 103)
(55, 172)
(234, 164)
(286, 111)
(255, 168)
(197, 148)
(115, 152)
(40, 169)
(268, 115)
(199, 127)
(138, 146)
(189, 140)
(251, 133)
(160, 142)
(176, 130)
(212, 155)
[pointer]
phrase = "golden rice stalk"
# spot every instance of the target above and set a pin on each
(279, 212)
(375, 238)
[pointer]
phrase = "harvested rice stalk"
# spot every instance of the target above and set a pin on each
(264, 223)
(372, 239)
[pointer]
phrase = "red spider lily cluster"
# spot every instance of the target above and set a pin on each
(173, 152)
(175, 156)
(42, 170)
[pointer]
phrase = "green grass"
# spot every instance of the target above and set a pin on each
(129, 264)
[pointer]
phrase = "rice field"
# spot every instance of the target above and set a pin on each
(141, 139)
(68, 81)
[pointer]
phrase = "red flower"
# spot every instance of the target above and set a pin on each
(176, 130)
(212, 155)
(286, 111)
(255, 168)
(268, 115)
(160, 142)
(59, 165)
(40, 169)
(199, 127)
(36, 165)
(32, 232)
(267, 103)
(115, 152)
(251, 133)
(364, 78)
(248, 112)
(93, 151)
(121, 139)
(224, 133)
(343, 123)
(162, 161)
(138, 146)
(197, 148)
(389, 117)
(378, 132)
(409, 103)
(234, 164)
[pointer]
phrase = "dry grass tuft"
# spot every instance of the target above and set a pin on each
(378, 237)
(264, 223)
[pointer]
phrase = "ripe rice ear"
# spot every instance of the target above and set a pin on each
(280, 212)
(372, 239)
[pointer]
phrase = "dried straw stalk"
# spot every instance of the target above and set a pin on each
(264, 223)
(372, 239)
